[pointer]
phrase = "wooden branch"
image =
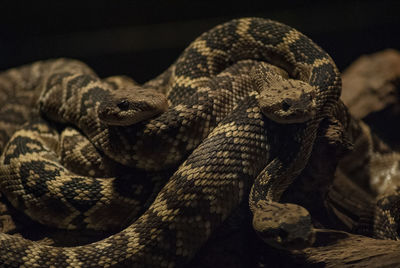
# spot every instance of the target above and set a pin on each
(369, 83)
(341, 249)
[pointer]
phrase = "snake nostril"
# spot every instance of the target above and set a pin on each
(283, 234)
(104, 111)
(285, 106)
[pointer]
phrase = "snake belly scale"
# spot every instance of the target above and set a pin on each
(234, 145)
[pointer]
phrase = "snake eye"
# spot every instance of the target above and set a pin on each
(123, 105)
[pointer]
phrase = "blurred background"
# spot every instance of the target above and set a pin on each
(142, 38)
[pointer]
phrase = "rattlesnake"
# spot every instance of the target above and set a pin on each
(365, 195)
(224, 138)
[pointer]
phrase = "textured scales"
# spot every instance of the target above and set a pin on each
(128, 106)
(369, 202)
(224, 137)
(192, 110)
(285, 226)
(284, 100)
(100, 195)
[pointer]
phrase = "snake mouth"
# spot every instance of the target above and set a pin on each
(297, 117)
(114, 117)
(281, 239)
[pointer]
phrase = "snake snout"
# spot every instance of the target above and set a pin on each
(284, 226)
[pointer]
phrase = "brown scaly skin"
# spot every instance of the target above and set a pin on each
(132, 105)
(223, 160)
(190, 107)
(365, 197)
(101, 195)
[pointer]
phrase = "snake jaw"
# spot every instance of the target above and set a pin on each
(282, 239)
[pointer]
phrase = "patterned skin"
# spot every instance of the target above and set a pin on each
(227, 146)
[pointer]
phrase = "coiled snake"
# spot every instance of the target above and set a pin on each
(214, 125)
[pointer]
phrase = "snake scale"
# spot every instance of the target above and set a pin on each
(223, 133)
(366, 197)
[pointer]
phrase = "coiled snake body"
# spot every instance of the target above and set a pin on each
(223, 135)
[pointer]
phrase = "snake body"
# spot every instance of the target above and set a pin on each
(223, 135)
(365, 197)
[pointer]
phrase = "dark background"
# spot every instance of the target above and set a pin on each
(142, 38)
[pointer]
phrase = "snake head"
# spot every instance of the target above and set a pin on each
(129, 106)
(283, 100)
(283, 226)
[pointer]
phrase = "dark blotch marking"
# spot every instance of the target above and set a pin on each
(306, 51)
(56, 79)
(71, 189)
(77, 83)
(22, 145)
(89, 99)
(39, 188)
(190, 66)
(268, 33)
(323, 76)
(228, 31)
(180, 93)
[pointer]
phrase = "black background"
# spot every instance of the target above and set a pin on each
(142, 38)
